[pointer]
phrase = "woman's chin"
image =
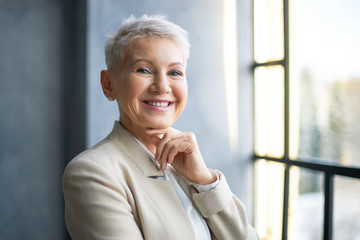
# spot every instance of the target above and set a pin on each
(159, 125)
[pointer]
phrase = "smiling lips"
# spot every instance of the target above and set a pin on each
(158, 104)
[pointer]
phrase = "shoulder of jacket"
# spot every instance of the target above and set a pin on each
(104, 154)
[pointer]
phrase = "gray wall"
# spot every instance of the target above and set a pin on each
(30, 125)
(205, 114)
(52, 106)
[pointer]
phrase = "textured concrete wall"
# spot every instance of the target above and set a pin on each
(30, 135)
(205, 113)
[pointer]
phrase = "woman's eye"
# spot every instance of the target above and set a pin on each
(175, 73)
(143, 71)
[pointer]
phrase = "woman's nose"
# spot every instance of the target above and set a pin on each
(160, 84)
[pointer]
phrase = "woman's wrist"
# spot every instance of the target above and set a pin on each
(206, 179)
(209, 186)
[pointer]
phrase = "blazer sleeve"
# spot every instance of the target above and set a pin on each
(96, 206)
(224, 212)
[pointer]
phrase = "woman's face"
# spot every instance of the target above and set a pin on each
(151, 86)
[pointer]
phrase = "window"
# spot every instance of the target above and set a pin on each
(307, 115)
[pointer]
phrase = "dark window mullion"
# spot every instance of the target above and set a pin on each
(286, 202)
(328, 206)
(318, 165)
(270, 63)
(286, 120)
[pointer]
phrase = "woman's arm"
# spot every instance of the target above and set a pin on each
(224, 212)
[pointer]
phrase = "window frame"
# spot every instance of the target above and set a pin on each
(329, 170)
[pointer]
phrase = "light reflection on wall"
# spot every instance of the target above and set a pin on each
(230, 70)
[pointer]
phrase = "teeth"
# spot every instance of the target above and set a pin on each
(158, 104)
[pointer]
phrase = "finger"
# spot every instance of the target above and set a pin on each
(173, 148)
(160, 147)
(155, 140)
(153, 131)
(155, 135)
(168, 136)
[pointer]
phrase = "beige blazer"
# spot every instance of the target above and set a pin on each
(111, 192)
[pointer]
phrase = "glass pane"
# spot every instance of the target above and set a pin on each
(325, 79)
(268, 30)
(306, 204)
(346, 208)
(269, 111)
(269, 194)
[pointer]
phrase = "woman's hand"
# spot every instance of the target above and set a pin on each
(181, 150)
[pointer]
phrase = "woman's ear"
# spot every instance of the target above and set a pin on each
(106, 85)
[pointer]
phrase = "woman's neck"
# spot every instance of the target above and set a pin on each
(141, 135)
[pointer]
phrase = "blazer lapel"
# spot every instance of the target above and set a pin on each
(159, 192)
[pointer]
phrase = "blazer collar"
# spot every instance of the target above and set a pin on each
(134, 152)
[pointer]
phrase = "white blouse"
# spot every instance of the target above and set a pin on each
(199, 225)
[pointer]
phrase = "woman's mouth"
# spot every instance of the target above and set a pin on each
(157, 104)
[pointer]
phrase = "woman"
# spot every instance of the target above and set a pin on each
(147, 180)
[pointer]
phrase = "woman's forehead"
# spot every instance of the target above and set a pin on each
(154, 47)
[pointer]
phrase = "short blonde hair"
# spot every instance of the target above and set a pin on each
(146, 26)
